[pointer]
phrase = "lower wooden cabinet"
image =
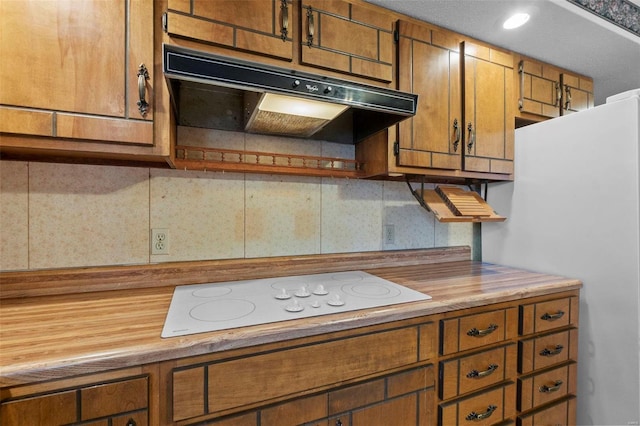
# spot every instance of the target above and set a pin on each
(561, 413)
(510, 362)
(117, 402)
(219, 387)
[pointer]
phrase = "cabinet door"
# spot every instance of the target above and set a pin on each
(257, 26)
(70, 69)
(428, 65)
(540, 91)
(489, 128)
(577, 93)
(349, 38)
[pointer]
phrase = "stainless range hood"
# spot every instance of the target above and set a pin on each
(223, 93)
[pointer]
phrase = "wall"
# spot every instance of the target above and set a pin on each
(69, 215)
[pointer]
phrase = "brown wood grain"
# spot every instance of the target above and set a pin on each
(48, 337)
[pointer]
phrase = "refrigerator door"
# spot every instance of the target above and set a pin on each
(573, 210)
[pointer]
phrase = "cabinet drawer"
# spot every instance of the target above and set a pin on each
(486, 408)
(547, 350)
(229, 385)
(474, 331)
(113, 398)
(561, 414)
(548, 315)
(468, 374)
(547, 386)
(53, 409)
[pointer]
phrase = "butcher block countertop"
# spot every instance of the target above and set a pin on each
(63, 323)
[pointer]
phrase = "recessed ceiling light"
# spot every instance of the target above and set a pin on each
(516, 20)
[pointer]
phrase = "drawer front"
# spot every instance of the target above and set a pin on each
(547, 350)
(547, 386)
(561, 414)
(113, 398)
(548, 315)
(487, 408)
(474, 331)
(228, 385)
(53, 409)
(468, 374)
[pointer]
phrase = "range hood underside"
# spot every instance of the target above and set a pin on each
(223, 108)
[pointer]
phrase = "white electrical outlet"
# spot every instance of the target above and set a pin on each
(160, 241)
(389, 234)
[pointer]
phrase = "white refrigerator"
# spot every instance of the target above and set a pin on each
(573, 209)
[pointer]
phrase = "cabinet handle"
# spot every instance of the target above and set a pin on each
(143, 76)
(456, 133)
(567, 103)
(521, 72)
(552, 352)
(131, 422)
(474, 332)
(472, 137)
(338, 422)
(476, 417)
(284, 9)
(553, 388)
(552, 317)
(311, 29)
(475, 374)
(558, 94)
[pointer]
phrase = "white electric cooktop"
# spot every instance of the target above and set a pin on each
(200, 308)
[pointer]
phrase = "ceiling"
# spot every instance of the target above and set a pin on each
(559, 32)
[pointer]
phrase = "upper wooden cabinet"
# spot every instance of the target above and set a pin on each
(546, 91)
(335, 35)
(346, 37)
(464, 125)
(489, 129)
(577, 93)
(263, 27)
(78, 77)
(429, 65)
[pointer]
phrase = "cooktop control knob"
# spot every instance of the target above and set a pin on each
(302, 292)
(283, 295)
(315, 304)
(294, 306)
(335, 300)
(320, 290)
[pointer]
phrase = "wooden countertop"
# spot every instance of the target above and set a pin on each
(46, 337)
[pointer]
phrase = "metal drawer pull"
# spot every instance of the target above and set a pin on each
(475, 374)
(284, 9)
(131, 422)
(475, 417)
(472, 137)
(143, 76)
(310, 27)
(456, 132)
(552, 317)
(479, 333)
(554, 388)
(552, 352)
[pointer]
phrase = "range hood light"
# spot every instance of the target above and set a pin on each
(302, 107)
(289, 115)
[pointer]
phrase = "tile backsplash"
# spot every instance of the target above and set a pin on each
(69, 215)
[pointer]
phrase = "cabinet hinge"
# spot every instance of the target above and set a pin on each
(396, 148)
(164, 22)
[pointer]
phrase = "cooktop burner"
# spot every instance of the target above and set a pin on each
(219, 306)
